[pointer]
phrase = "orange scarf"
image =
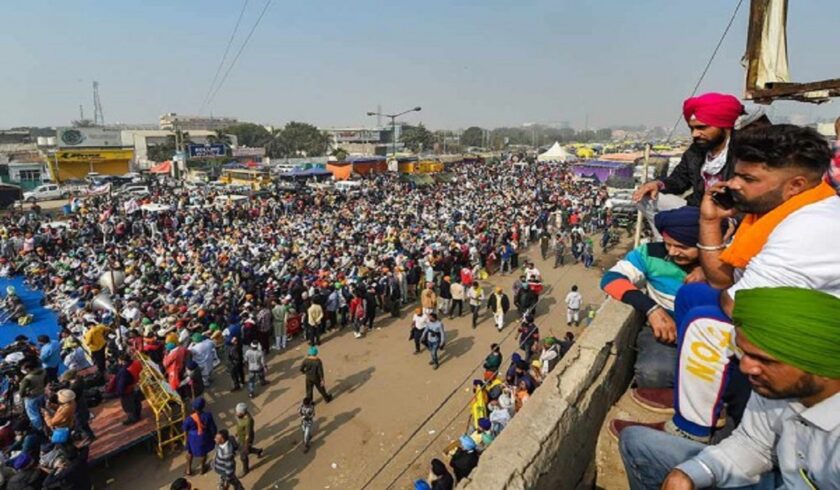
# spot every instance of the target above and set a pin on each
(755, 230)
(199, 427)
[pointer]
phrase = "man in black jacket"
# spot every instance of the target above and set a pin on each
(711, 118)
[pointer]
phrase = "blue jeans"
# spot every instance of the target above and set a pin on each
(33, 410)
(649, 455)
(433, 350)
(656, 362)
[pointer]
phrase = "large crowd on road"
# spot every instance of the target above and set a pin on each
(192, 284)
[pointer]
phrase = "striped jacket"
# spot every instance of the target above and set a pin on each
(647, 264)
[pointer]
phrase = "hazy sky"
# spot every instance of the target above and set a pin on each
(484, 62)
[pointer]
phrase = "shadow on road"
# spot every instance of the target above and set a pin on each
(288, 459)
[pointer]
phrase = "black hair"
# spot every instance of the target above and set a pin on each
(180, 484)
(44, 339)
(224, 433)
(783, 146)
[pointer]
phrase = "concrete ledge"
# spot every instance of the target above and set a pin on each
(551, 443)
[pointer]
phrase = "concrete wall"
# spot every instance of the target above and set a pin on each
(551, 443)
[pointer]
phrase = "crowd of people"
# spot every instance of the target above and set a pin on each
(741, 293)
(191, 284)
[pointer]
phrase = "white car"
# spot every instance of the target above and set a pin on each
(136, 190)
(46, 192)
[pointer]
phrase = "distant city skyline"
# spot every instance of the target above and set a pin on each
(489, 64)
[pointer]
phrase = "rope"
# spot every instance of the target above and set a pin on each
(708, 64)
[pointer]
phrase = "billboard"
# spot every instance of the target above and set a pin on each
(92, 155)
(199, 151)
(89, 138)
(357, 135)
(245, 151)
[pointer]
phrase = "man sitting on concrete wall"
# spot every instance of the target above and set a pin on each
(785, 239)
(663, 268)
(788, 342)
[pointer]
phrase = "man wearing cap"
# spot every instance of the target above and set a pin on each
(788, 342)
(465, 458)
(65, 412)
(498, 303)
(711, 118)
(663, 268)
(245, 436)
(313, 368)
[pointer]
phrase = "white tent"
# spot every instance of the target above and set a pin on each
(554, 154)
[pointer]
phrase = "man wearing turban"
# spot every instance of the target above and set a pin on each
(663, 268)
(711, 118)
(788, 340)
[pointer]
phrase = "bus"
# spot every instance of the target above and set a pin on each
(253, 178)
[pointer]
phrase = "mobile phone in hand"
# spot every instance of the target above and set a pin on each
(724, 198)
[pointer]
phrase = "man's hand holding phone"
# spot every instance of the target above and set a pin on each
(718, 203)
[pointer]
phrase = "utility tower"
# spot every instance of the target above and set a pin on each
(98, 118)
(81, 113)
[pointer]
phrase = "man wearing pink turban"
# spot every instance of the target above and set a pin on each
(711, 118)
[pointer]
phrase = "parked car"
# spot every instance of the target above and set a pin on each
(46, 192)
(136, 190)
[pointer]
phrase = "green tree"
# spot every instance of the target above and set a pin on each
(473, 136)
(298, 139)
(340, 154)
(166, 150)
(249, 134)
(417, 138)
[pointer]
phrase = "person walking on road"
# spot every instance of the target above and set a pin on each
(499, 304)
(573, 303)
(245, 436)
(457, 291)
(201, 431)
(313, 368)
(428, 298)
(476, 297)
(445, 296)
(236, 363)
(435, 338)
(255, 359)
(225, 461)
(418, 325)
(307, 417)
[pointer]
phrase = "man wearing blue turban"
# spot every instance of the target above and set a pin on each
(663, 268)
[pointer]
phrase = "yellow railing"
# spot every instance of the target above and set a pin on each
(166, 406)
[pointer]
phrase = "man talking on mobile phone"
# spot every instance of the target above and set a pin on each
(786, 239)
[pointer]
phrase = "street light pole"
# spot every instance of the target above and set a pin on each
(394, 125)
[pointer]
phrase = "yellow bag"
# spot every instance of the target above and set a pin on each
(483, 275)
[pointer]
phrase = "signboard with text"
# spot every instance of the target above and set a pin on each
(89, 138)
(203, 151)
(245, 151)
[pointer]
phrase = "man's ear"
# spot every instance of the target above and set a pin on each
(796, 185)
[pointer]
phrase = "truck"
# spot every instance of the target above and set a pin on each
(47, 192)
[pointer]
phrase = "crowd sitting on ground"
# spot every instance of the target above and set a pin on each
(192, 285)
(741, 350)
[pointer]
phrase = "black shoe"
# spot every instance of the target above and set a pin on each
(260, 453)
(436, 366)
(431, 362)
(328, 398)
(305, 449)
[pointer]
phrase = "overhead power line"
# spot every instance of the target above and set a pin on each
(709, 63)
(238, 53)
(224, 58)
